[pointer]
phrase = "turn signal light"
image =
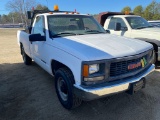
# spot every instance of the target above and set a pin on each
(85, 71)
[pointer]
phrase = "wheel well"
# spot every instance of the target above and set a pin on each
(56, 65)
(21, 48)
(155, 47)
(156, 50)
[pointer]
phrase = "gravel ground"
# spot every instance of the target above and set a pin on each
(28, 93)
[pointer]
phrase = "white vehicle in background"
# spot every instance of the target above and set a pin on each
(21, 24)
(131, 26)
(87, 62)
(155, 23)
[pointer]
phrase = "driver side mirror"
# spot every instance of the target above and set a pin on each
(124, 29)
(108, 31)
(117, 26)
(36, 37)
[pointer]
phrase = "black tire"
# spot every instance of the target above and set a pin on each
(26, 59)
(65, 91)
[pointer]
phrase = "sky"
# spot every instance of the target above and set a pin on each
(86, 6)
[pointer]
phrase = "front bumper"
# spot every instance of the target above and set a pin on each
(90, 93)
(158, 53)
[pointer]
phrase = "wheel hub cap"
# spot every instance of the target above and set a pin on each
(62, 89)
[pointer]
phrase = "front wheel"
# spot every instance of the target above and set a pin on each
(26, 59)
(64, 89)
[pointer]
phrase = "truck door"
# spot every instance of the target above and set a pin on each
(111, 26)
(38, 47)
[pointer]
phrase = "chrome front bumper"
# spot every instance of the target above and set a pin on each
(158, 53)
(90, 93)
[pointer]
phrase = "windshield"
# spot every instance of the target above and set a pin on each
(138, 22)
(67, 25)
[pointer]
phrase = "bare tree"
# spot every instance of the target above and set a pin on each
(21, 6)
(41, 7)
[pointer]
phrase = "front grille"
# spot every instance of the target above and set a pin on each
(121, 68)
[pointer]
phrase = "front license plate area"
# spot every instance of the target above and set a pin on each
(134, 87)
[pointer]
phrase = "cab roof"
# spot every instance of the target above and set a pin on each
(31, 14)
(126, 15)
(47, 14)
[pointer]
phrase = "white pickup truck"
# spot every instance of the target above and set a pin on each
(131, 26)
(87, 62)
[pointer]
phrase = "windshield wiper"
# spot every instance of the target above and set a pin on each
(63, 33)
(93, 31)
(150, 26)
(141, 27)
(144, 27)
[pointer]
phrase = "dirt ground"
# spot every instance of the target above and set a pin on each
(28, 93)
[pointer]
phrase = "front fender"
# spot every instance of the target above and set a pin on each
(72, 62)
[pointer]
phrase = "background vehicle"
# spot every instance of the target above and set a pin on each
(131, 26)
(155, 23)
(87, 62)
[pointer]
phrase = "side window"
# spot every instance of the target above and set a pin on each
(113, 21)
(39, 26)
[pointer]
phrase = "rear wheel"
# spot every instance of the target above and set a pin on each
(26, 59)
(64, 88)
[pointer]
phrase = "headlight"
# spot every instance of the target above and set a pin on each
(93, 73)
(93, 68)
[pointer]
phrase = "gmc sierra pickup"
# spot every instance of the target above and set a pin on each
(87, 62)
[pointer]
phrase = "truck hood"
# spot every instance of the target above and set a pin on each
(150, 33)
(101, 46)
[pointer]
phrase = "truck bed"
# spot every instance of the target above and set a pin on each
(23, 38)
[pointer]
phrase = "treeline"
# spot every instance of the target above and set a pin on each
(18, 17)
(151, 12)
(19, 10)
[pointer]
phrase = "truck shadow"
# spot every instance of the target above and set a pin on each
(27, 92)
(23, 90)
